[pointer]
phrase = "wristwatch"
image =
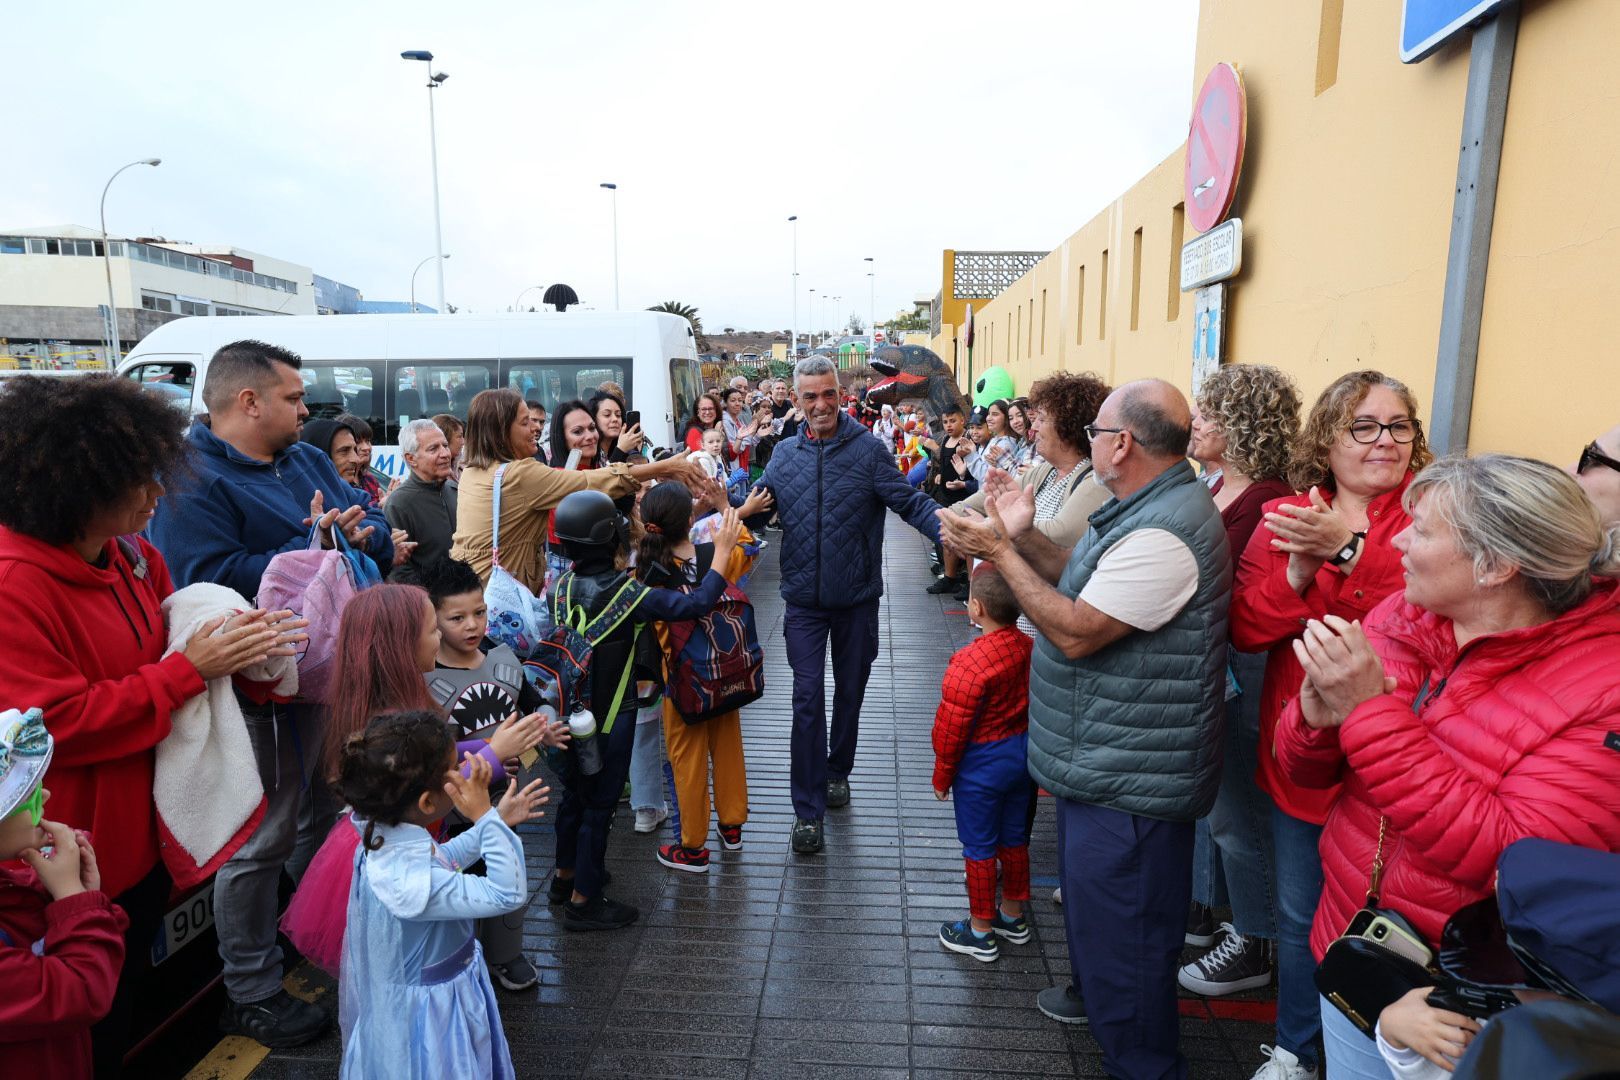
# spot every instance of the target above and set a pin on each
(1348, 552)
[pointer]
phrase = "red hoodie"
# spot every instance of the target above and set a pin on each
(51, 999)
(86, 645)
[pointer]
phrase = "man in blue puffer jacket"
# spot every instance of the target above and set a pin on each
(831, 483)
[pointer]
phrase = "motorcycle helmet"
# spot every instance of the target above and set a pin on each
(588, 524)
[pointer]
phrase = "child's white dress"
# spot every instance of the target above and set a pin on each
(415, 1000)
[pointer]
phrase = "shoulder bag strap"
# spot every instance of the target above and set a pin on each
(495, 530)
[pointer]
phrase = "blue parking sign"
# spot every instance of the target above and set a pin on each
(1428, 24)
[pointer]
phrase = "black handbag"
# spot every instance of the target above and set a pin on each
(1362, 979)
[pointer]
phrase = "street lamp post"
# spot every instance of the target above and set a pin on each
(793, 349)
(871, 301)
(435, 80)
(615, 189)
(115, 352)
(418, 269)
(518, 305)
(810, 336)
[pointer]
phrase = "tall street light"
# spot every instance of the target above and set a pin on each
(434, 82)
(116, 351)
(810, 336)
(871, 301)
(518, 306)
(793, 349)
(615, 189)
(418, 269)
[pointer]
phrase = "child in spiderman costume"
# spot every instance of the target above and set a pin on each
(981, 735)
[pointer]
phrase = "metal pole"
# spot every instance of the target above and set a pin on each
(1490, 73)
(115, 345)
(418, 270)
(793, 349)
(871, 301)
(438, 236)
(616, 247)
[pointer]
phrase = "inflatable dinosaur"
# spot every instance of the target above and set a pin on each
(911, 373)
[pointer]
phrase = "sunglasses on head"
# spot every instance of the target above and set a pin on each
(1594, 456)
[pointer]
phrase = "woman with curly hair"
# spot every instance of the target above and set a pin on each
(1328, 551)
(1244, 423)
(1060, 407)
(81, 596)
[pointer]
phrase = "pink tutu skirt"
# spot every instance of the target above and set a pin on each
(318, 913)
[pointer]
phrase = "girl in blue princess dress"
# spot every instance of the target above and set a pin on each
(414, 998)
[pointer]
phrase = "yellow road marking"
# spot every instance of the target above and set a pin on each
(235, 1057)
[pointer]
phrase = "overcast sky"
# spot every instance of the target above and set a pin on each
(893, 129)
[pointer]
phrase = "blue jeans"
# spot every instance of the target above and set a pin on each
(1233, 860)
(1299, 889)
(647, 760)
(1350, 1054)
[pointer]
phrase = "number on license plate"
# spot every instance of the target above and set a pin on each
(184, 924)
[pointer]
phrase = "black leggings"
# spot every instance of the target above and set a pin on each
(145, 903)
(588, 805)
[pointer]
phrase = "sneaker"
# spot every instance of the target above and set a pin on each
(1281, 1065)
(936, 568)
(280, 1021)
(1201, 928)
(1014, 930)
(1057, 895)
(1237, 963)
(731, 837)
(960, 937)
(807, 837)
(598, 913)
(516, 974)
(943, 586)
(561, 889)
(649, 818)
(692, 860)
(624, 796)
(961, 594)
(1063, 1004)
(838, 793)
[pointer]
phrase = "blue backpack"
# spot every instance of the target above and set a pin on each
(716, 663)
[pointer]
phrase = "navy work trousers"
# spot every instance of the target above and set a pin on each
(1127, 881)
(854, 635)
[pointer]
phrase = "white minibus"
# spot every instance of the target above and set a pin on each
(392, 369)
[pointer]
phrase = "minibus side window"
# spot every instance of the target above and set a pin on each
(685, 387)
(552, 382)
(422, 389)
(335, 387)
(170, 380)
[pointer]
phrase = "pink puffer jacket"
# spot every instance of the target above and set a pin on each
(1515, 738)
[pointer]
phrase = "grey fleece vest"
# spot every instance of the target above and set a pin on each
(1137, 726)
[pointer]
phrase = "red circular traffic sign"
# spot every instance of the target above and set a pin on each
(1215, 142)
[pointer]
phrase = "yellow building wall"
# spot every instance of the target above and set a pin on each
(1346, 199)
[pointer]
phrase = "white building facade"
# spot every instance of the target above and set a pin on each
(53, 291)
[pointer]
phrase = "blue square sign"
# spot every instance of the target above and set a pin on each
(1428, 24)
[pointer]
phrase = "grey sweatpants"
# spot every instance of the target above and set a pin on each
(285, 745)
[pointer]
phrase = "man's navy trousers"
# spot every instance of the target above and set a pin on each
(853, 632)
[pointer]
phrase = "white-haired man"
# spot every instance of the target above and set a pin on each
(425, 504)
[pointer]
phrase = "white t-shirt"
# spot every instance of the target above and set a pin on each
(1144, 580)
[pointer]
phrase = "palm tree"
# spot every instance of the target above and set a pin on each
(687, 312)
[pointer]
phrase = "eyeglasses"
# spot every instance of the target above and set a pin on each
(1370, 431)
(1592, 455)
(1092, 431)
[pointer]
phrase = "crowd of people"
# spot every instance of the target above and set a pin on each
(1268, 660)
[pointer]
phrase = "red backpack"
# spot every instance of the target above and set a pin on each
(716, 663)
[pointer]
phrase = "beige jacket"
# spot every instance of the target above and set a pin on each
(1072, 521)
(530, 490)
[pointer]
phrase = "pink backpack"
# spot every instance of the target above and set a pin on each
(317, 584)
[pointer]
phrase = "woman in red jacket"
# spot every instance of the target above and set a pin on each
(80, 598)
(1325, 552)
(1474, 710)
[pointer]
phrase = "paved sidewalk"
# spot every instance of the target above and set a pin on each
(827, 967)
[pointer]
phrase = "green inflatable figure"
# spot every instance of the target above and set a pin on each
(995, 384)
